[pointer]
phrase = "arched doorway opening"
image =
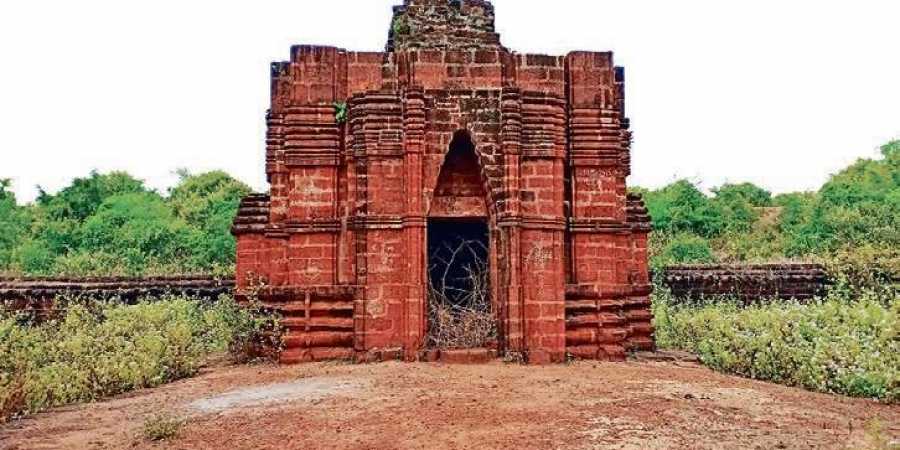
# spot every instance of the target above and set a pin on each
(460, 310)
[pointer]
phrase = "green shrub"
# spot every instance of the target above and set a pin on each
(341, 113)
(835, 345)
(761, 244)
(33, 257)
(14, 223)
(83, 263)
(858, 206)
(867, 268)
(796, 208)
(209, 202)
(95, 351)
(83, 197)
(679, 249)
(50, 239)
(138, 228)
(161, 427)
(681, 207)
(756, 196)
(738, 205)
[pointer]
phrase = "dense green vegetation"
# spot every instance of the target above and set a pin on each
(111, 224)
(97, 350)
(848, 342)
(840, 345)
(854, 218)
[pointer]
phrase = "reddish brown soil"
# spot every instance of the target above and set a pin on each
(634, 405)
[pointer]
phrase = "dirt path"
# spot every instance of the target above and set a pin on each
(634, 405)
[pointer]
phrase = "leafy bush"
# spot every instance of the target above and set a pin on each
(681, 207)
(139, 229)
(754, 195)
(83, 263)
(689, 226)
(760, 244)
(737, 210)
(85, 195)
(795, 207)
(32, 257)
(14, 223)
(209, 202)
(95, 351)
(867, 268)
(682, 248)
(50, 239)
(835, 345)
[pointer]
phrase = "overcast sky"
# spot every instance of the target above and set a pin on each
(780, 93)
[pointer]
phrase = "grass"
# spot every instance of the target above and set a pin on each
(834, 345)
(161, 427)
(96, 350)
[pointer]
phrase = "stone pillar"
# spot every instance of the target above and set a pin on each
(508, 282)
(376, 122)
(601, 238)
(415, 222)
(542, 224)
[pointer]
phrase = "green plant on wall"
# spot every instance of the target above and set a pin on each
(340, 112)
(400, 26)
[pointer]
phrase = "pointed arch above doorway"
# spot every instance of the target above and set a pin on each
(460, 189)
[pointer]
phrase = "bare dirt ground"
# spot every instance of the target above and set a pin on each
(633, 405)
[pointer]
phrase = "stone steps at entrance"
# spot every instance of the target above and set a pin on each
(302, 355)
(461, 356)
(297, 339)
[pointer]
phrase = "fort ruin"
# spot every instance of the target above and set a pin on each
(374, 156)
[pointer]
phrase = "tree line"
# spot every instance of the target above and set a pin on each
(856, 214)
(113, 224)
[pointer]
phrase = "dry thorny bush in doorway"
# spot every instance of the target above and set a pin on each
(460, 311)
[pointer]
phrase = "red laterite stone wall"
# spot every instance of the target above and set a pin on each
(338, 245)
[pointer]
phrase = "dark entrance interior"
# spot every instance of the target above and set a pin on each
(457, 253)
(459, 303)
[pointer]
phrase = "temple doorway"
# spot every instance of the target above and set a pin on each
(460, 310)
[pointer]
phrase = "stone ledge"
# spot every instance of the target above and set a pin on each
(465, 356)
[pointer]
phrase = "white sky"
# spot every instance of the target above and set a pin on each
(777, 92)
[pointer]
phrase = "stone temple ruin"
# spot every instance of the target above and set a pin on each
(371, 156)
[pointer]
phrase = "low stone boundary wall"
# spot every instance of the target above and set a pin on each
(39, 294)
(747, 282)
